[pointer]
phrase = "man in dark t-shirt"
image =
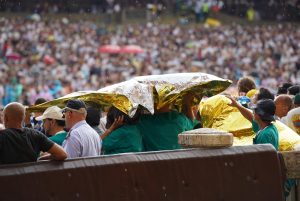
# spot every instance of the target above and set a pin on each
(18, 145)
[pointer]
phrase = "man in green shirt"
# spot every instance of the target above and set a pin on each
(160, 131)
(125, 139)
(262, 125)
(266, 132)
(122, 134)
(53, 124)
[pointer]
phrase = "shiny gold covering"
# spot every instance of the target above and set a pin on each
(216, 113)
(126, 96)
(170, 88)
(148, 92)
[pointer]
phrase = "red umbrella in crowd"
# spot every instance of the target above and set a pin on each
(132, 49)
(110, 49)
(13, 56)
(48, 60)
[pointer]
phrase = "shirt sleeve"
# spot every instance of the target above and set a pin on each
(255, 126)
(44, 142)
(189, 124)
(72, 145)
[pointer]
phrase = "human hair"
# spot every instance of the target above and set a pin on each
(93, 116)
(265, 109)
(114, 113)
(293, 90)
(40, 101)
(268, 122)
(281, 90)
(245, 84)
(287, 85)
(264, 94)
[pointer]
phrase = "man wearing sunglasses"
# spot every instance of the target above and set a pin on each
(82, 140)
(53, 124)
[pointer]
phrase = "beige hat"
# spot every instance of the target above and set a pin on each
(53, 112)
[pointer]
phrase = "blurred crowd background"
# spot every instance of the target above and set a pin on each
(54, 56)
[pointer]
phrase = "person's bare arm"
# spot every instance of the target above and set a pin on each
(244, 111)
(56, 152)
(117, 123)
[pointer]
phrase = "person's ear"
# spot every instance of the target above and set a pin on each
(53, 122)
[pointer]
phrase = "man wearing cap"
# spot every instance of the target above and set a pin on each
(293, 116)
(53, 124)
(261, 119)
(82, 140)
(20, 145)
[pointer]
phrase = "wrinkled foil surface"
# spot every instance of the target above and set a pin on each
(149, 92)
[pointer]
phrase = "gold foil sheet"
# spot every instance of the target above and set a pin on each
(149, 92)
(170, 88)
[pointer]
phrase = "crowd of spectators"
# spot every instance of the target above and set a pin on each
(50, 59)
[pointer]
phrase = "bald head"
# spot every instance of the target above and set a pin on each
(284, 103)
(14, 114)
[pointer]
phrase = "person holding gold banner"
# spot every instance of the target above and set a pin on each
(261, 119)
(266, 132)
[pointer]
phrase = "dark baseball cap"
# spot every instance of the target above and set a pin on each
(265, 109)
(75, 105)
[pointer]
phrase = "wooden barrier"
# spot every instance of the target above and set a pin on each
(229, 174)
(292, 163)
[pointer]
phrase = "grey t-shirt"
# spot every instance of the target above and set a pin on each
(22, 145)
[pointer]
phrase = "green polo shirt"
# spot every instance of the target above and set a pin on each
(59, 137)
(160, 131)
(267, 135)
(123, 140)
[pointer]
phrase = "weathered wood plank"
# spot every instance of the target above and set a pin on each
(292, 163)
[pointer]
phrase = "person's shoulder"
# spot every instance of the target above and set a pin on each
(32, 132)
(3, 132)
(274, 127)
(82, 129)
(294, 111)
(147, 115)
(128, 128)
(270, 130)
(170, 114)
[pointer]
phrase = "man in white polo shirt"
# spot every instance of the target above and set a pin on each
(82, 140)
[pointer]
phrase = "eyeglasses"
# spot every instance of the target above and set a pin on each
(65, 111)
